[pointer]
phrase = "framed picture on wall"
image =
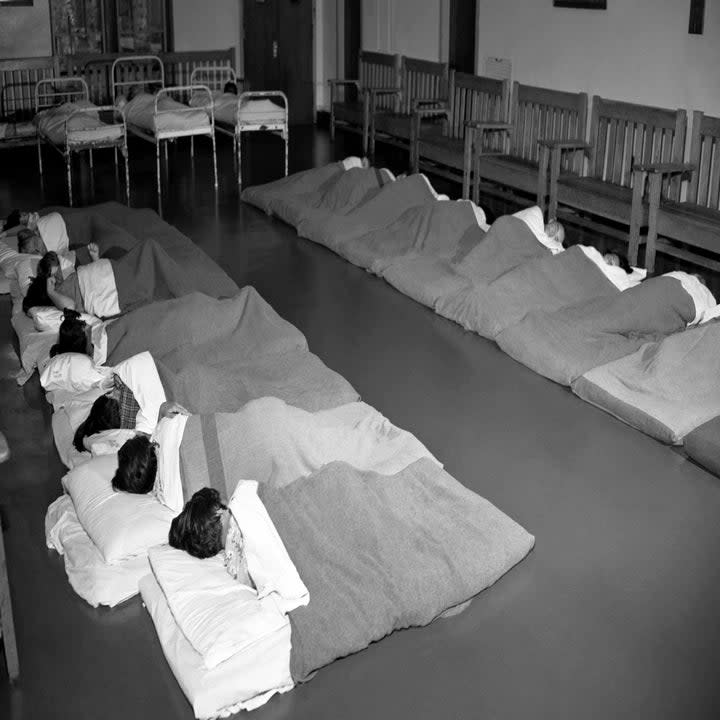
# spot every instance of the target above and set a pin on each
(587, 4)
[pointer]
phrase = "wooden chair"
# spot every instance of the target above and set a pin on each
(445, 153)
(621, 136)
(423, 84)
(508, 154)
(694, 222)
(377, 71)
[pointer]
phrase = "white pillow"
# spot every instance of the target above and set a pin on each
(168, 482)
(218, 615)
(120, 524)
(108, 442)
(48, 318)
(73, 372)
(25, 271)
(9, 256)
(269, 564)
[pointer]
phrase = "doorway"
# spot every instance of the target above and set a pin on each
(463, 29)
(278, 50)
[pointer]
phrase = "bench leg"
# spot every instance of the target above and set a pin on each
(554, 175)
(542, 178)
(636, 218)
(332, 121)
(6, 617)
(366, 125)
(654, 200)
(467, 160)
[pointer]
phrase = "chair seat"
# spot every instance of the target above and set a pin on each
(510, 170)
(350, 112)
(397, 125)
(691, 224)
(442, 150)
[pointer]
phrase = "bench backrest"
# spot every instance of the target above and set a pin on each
(541, 113)
(178, 67)
(422, 80)
(17, 84)
(474, 97)
(704, 186)
(380, 70)
(622, 134)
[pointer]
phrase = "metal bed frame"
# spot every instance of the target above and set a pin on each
(215, 77)
(156, 136)
(51, 92)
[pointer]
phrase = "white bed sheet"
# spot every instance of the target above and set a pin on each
(86, 126)
(90, 576)
(140, 112)
(244, 682)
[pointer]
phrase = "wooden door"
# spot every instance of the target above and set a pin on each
(463, 26)
(279, 52)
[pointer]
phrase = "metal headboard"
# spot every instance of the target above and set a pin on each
(53, 91)
(214, 76)
(138, 61)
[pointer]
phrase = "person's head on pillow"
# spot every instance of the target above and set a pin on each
(230, 88)
(30, 242)
(74, 336)
(200, 529)
(12, 220)
(617, 260)
(37, 294)
(555, 231)
(137, 466)
(104, 415)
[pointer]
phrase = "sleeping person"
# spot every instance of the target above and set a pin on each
(74, 336)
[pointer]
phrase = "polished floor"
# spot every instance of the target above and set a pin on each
(615, 614)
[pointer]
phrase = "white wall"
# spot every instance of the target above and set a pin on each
(201, 25)
(636, 50)
(25, 30)
(408, 27)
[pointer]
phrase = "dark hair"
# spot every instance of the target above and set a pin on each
(72, 336)
(37, 290)
(230, 87)
(624, 264)
(104, 415)
(12, 220)
(198, 528)
(137, 466)
(23, 236)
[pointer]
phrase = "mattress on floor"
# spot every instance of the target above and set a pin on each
(34, 346)
(172, 115)
(239, 683)
(665, 389)
(703, 445)
(76, 122)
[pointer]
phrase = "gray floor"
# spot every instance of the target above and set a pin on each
(613, 615)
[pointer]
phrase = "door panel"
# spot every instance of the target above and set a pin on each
(462, 35)
(279, 52)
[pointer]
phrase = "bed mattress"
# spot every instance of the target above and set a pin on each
(78, 123)
(172, 117)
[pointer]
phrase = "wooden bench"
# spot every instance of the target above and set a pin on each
(694, 222)
(380, 71)
(446, 153)
(621, 136)
(17, 96)
(178, 67)
(423, 84)
(509, 154)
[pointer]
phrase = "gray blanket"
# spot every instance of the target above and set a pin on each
(547, 283)
(269, 197)
(381, 553)
(384, 207)
(434, 229)
(564, 344)
(666, 388)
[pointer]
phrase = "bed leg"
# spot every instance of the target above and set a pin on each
(192, 147)
(212, 136)
(68, 163)
(157, 163)
(287, 145)
(91, 159)
(39, 149)
(239, 158)
(127, 173)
